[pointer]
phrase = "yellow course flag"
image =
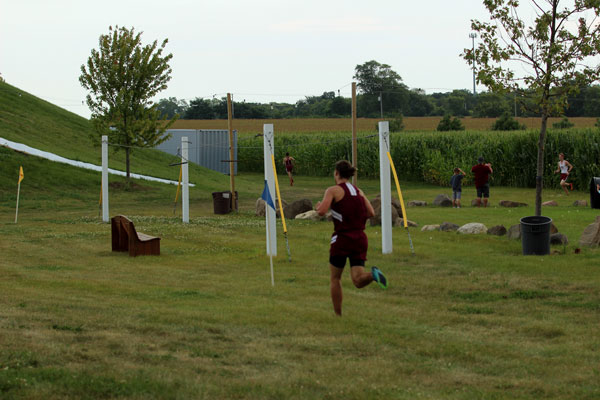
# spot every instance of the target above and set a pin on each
(21, 175)
(404, 217)
(278, 194)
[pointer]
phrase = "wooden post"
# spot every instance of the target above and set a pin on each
(354, 141)
(231, 161)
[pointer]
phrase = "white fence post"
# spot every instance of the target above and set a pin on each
(385, 186)
(105, 178)
(185, 190)
(270, 216)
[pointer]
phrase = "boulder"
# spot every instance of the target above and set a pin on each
(260, 207)
(559, 238)
(417, 203)
(442, 200)
(472, 228)
(297, 207)
(580, 203)
(553, 229)
(312, 215)
(510, 203)
(514, 232)
(498, 230)
(474, 202)
(591, 234)
(448, 227)
(428, 228)
(376, 203)
(400, 222)
(551, 203)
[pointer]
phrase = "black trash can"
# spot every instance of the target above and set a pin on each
(535, 235)
(223, 202)
(594, 195)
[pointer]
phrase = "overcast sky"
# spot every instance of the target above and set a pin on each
(263, 50)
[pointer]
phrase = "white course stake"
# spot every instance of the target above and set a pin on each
(271, 230)
(105, 178)
(385, 187)
(185, 189)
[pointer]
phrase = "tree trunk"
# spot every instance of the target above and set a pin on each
(127, 150)
(540, 165)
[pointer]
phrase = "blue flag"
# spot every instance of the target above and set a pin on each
(266, 196)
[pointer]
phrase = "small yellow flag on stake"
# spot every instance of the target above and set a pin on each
(21, 175)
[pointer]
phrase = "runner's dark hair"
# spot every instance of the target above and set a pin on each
(345, 169)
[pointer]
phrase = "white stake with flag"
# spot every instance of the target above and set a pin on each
(21, 176)
(266, 196)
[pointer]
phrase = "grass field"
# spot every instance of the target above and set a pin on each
(466, 318)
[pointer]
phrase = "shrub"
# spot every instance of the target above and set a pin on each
(507, 123)
(563, 124)
(450, 124)
(597, 122)
(396, 124)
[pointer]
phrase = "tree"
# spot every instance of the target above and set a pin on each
(122, 77)
(549, 57)
(171, 107)
(507, 123)
(450, 124)
(374, 80)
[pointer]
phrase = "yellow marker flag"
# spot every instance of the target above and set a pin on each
(21, 175)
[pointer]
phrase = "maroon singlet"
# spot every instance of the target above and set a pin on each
(349, 218)
(288, 164)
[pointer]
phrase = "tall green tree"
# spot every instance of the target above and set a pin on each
(122, 76)
(375, 80)
(551, 57)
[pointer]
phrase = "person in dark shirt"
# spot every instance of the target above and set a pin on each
(350, 210)
(482, 172)
(456, 183)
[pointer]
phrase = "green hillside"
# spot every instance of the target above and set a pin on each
(27, 119)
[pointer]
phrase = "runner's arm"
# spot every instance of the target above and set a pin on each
(323, 205)
(570, 167)
(370, 210)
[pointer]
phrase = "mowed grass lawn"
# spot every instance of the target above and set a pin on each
(468, 317)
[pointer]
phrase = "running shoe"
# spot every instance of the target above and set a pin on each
(379, 277)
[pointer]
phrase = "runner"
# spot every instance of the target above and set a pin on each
(481, 173)
(350, 210)
(564, 167)
(289, 161)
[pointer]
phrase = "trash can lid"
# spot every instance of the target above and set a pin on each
(536, 220)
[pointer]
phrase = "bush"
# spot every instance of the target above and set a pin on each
(396, 124)
(507, 123)
(563, 124)
(450, 124)
(597, 122)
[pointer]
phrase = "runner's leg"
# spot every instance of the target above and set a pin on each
(360, 277)
(336, 288)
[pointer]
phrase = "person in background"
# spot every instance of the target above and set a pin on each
(350, 210)
(564, 167)
(456, 183)
(482, 173)
(288, 162)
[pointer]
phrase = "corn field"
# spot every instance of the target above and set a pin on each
(431, 156)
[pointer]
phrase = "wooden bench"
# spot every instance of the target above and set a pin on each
(126, 238)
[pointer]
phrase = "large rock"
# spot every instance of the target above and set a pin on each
(591, 234)
(448, 227)
(472, 228)
(376, 203)
(510, 203)
(474, 202)
(580, 203)
(429, 228)
(559, 238)
(297, 207)
(551, 203)
(260, 207)
(442, 200)
(514, 232)
(553, 229)
(497, 230)
(312, 215)
(400, 222)
(417, 203)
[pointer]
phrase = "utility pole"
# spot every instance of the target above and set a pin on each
(381, 104)
(473, 35)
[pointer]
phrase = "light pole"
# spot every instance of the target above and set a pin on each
(473, 35)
